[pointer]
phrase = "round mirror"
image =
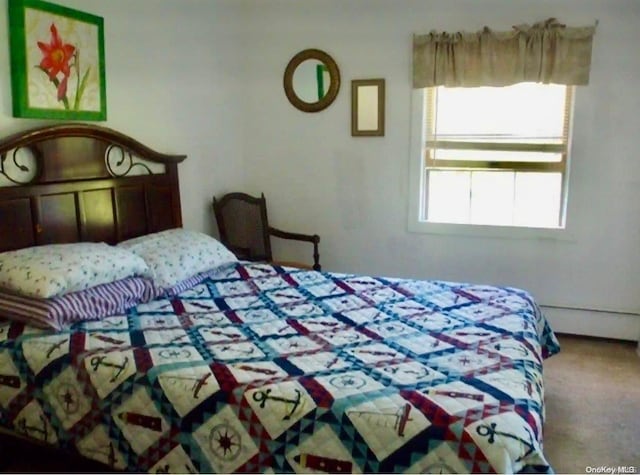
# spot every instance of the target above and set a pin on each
(311, 80)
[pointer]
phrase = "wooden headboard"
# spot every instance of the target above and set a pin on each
(82, 182)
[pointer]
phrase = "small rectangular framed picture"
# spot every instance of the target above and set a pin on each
(367, 107)
(57, 62)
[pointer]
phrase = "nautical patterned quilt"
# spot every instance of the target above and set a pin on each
(271, 369)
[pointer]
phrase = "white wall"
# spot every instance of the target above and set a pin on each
(172, 83)
(354, 191)
(204, 78)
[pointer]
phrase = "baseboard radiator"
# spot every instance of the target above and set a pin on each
(616, 324)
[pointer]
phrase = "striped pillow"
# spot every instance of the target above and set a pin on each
(89, 304)
(186, 284)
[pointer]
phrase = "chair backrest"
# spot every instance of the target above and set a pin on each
(243, 225)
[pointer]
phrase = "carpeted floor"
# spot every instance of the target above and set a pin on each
(593, 413)
(592, 392)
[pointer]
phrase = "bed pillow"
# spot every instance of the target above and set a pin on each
(190, 282)
(90, 304)
(179, 256)
(57, 269)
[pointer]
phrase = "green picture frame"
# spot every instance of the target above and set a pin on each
(57, 62)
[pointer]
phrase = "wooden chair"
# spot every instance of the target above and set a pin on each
(244, 229)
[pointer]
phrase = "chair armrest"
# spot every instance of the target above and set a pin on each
(295, 236)
(312, 238)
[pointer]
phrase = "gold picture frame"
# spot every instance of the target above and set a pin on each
(367, 107)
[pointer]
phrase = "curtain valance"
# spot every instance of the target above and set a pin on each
(547, 52)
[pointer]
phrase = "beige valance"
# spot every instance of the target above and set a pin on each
(546, 52)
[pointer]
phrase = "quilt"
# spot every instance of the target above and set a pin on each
(272, 369)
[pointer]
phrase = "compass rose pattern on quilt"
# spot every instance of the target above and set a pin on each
(268, 368)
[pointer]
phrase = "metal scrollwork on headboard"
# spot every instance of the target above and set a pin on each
(16, 172)
(120, 168)
(67, 152)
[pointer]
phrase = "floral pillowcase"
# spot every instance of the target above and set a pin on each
(179, 256)
(57, 269)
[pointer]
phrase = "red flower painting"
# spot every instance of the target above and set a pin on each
(58, 59)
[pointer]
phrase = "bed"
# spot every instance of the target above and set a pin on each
(258, 367)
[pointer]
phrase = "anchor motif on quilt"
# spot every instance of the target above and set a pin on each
(490, 432)
(264, 396)
(98, 361)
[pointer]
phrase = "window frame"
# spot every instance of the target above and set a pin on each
(420, 166)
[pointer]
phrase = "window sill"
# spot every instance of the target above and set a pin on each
(490, 231)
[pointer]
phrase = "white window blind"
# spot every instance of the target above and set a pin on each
(497, 155)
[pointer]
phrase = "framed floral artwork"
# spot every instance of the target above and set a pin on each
(57, 62)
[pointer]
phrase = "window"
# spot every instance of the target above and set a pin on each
(496, 155)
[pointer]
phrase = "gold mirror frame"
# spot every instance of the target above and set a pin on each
(334, 74)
